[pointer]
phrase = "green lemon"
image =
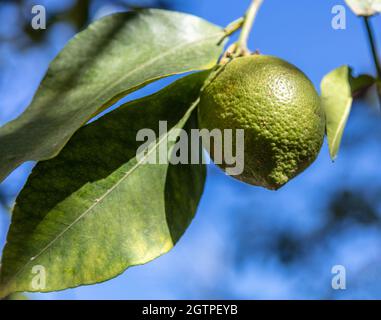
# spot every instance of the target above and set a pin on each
(279, 110)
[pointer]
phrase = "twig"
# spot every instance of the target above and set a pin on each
(373, 47)
(248, 24)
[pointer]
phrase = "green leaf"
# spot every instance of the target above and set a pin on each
(16, 296)
(337, 99)
(111, 58)
(361, 83)
(364, 8)
(95, 209)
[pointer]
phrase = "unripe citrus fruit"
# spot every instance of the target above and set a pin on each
(279, 110)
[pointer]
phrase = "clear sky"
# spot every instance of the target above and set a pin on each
(246, 242)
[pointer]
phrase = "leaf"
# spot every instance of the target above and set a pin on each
(337, 99)
(361, 83)
(95, 210)
(111, 58)
(364, 8)
(16, 296)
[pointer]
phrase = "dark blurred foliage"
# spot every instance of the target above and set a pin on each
(78, 15)
(346, 208)
(3, 200)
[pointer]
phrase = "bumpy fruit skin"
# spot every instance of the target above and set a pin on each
(280, 111)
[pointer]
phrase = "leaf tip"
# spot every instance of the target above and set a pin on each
(333, 156)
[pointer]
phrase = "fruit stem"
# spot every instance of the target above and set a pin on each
(248, 22)
(373, 47)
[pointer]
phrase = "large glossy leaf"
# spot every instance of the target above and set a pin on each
(364, 7)
(337, 100)
(112, 57)
(95, 210)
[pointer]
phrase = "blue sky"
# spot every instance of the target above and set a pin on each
(246, 242)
